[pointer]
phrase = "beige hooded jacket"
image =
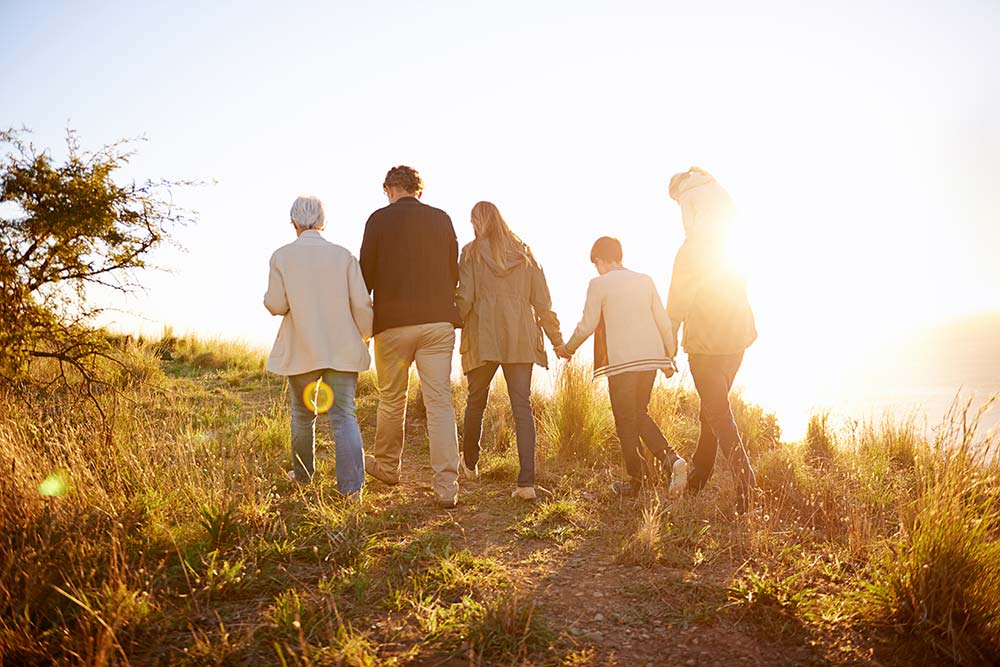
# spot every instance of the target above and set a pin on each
(504, 309)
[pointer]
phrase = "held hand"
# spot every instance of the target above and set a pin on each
(562, 352)
(670, 369)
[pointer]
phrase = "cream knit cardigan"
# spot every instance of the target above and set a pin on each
(633, 331)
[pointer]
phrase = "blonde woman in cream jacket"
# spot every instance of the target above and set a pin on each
(708, 297)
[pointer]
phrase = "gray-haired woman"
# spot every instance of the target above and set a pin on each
(317, 288)
(504, 303)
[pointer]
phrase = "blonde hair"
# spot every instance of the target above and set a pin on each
(705, 204)
(490, 226)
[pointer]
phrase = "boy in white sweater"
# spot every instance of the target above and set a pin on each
(633, 338)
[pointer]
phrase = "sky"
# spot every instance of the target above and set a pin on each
(861, 143)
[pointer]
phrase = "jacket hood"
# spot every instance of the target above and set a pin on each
(510, 260)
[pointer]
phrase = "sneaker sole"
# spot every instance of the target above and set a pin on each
(678, 477)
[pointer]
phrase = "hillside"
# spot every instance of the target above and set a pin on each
(169, 535)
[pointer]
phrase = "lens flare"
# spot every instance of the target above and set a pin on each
(318, 396)
(54, 485)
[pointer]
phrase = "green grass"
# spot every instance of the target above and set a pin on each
(578, 424)
(170, 534)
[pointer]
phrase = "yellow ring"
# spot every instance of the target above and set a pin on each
(318, 396)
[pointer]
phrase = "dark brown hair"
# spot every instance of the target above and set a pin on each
(606, 248)
(405, 178)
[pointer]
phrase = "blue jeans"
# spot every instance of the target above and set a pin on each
(518, 378)
(343, 422)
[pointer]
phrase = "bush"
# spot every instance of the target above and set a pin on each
(71, 227)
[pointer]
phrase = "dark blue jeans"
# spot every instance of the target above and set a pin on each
(630, 394)
(518, 378)
(713, 378)
(344, 423)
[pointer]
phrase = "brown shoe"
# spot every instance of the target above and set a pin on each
(524, 493)
(371, 467)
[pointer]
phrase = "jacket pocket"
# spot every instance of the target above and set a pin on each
(465, 337)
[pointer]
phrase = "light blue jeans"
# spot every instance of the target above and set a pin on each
(344, 424)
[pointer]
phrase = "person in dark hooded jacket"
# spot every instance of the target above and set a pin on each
(505, 306)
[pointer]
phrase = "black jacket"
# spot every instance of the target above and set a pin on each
(409, 258)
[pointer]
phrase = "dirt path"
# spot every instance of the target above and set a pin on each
(626, 615)
(563, 554)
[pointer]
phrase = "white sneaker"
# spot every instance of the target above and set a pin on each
(678, 477)
(472, 474)
(524, 493)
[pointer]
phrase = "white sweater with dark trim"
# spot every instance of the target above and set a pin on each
(631, 327)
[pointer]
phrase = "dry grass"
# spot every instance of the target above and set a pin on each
(170, 526)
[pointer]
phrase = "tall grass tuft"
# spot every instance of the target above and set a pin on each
(579, 422)
(940, 578)
(644, 546)
(820, 440)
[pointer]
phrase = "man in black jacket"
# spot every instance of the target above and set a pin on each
(409, 258)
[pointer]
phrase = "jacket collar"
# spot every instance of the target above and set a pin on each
(310, 235)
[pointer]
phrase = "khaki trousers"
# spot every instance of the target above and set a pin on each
(431, 346)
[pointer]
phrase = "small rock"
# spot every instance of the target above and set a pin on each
(576, 632)
(598, 617)
(691, 662)
(598, 594)
(578, 593)
(596, 636)
(694, 641)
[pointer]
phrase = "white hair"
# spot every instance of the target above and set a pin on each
(307, 213)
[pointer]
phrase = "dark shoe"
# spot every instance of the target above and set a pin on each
(628, 489)
(695, 481)
(295, 478)
(447, 503)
